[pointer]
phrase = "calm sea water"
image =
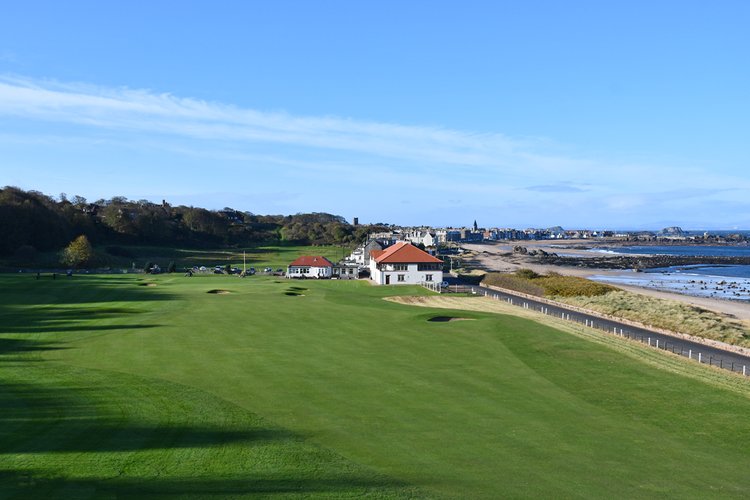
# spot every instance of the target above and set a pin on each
(692, 250)
(706, 280)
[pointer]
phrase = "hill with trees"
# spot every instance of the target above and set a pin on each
(32, 222)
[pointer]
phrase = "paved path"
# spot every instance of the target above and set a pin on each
(700, 352)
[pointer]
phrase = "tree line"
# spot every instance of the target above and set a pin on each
(31, 221)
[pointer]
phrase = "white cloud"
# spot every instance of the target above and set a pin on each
(450, 164)
(164, 113)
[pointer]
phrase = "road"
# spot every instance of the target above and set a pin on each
(702, 353)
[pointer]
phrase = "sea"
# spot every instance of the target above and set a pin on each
(730, 282)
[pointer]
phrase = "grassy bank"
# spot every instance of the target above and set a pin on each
(129, 257)
(298, 389)
(667, 314)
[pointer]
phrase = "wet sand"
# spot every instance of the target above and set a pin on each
(494, 257)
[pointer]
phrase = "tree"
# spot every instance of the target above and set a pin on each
(78, 253)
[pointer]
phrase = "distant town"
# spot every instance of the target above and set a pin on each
(435, 237)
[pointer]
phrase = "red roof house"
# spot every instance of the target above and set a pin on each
(404, 264)
(310, 266)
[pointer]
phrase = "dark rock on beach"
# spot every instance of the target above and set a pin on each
(638, 262)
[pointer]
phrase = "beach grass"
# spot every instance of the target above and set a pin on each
(299, 389)
(606, 299)
(547, 285)
(667, 314)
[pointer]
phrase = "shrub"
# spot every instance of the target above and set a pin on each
(513, 282)
(551, 285)
(527, 274)
(78, 253)
(572, 286)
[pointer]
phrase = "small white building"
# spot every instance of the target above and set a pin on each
(418, 236)
(310, 266)
(404, 264)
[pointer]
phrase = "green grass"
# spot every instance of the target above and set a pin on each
(108, 388)
(275, 256)
(259, 256)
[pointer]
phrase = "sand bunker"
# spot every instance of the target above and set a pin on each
(219, 292)
(294, 293)
(445, 319)
(146, 284)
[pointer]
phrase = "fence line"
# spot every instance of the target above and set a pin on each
(719, 362)
(692, 338)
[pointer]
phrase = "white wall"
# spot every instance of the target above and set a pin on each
(312, 272)
(412, 276)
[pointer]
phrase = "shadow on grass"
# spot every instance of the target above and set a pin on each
(14, 347)
(25, 290)
(42, 421)
(24, 484)
(40, 418)
(74, 304)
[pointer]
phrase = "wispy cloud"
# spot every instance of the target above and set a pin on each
(141, 110)
(446, 164)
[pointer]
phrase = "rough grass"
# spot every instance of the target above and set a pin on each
(667, 314)
(550, 285)
(108, 389)
(514, 282)
(661, 313)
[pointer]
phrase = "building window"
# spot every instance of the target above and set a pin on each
(401, 267)
(401, 277)
(428, 277)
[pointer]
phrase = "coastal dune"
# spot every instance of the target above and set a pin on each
(499, 257)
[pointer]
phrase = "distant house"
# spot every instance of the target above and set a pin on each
(404, 264)
(361, 255)
(345, 271)
(310, 266)
(418, 236)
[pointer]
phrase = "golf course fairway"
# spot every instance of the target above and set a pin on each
(159, 386)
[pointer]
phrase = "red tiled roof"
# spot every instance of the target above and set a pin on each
(376, 253)
(312, 261)
(404, 253)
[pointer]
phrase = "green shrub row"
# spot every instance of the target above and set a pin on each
(551, 285)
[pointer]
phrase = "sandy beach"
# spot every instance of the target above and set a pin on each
(494, 257)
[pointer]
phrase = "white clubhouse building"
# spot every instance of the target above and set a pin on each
(404, 264)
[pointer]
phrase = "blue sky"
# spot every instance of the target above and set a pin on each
(584, 114)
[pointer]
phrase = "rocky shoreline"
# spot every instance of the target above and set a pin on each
(639, 262)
